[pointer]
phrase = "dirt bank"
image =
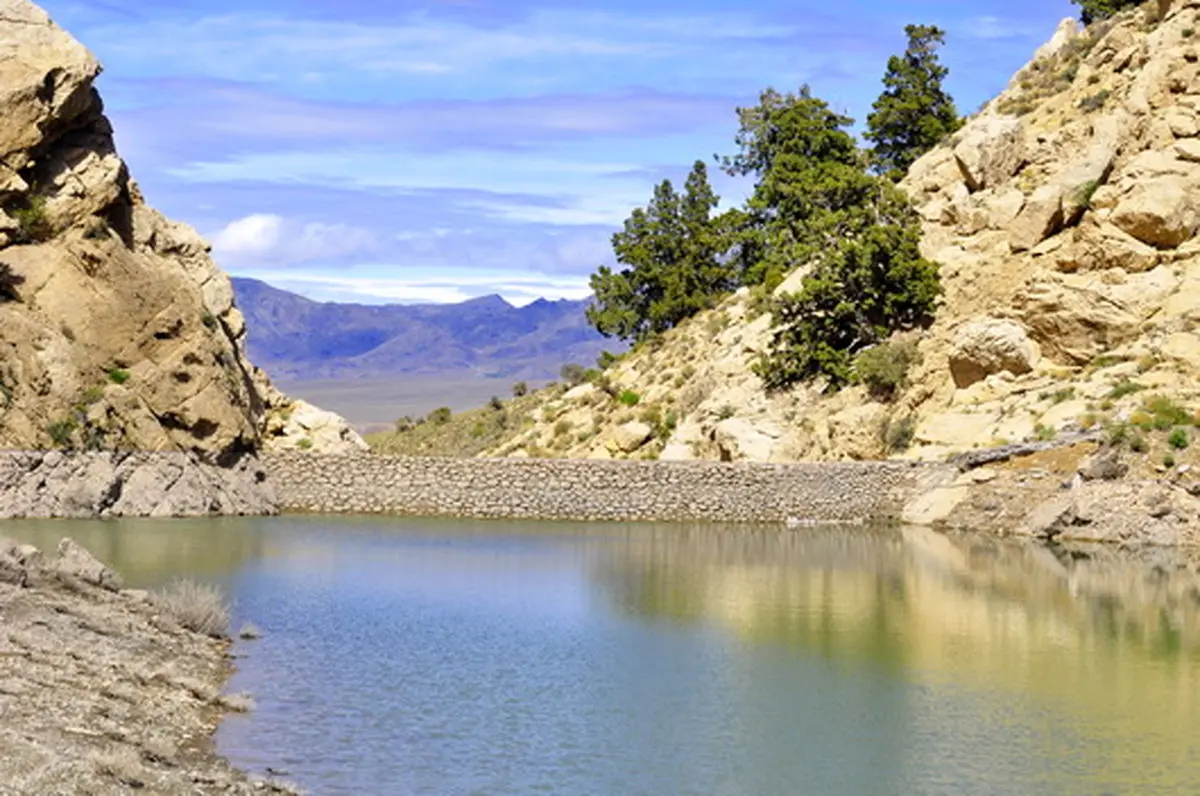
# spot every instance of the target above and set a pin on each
(101, 691)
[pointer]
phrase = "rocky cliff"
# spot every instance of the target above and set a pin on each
(1063, 216)
(117, 330)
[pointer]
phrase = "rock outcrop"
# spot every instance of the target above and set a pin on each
(117, 329)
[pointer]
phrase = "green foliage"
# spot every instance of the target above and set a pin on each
(862, 290)
(1094, 102)
(209, 320)
(606, 359)
(725, 412)
(573, 374)
(520, 389)
(1045, 433)
(897, 435)
(33, 225)
(629, 398)
(1179, 439)
(61, 431)
(1165, 413)
(1125, 387)
(672, 265)
(1092, 10)
(914, 113)
(118, 375)
(495, 404)
(1083, 196)
(439, 416)
(93, 395)
(884, 368)
(305, 444)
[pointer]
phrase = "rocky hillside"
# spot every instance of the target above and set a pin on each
(117, 330)
(1063, 216)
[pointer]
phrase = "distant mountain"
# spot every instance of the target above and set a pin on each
(293, 337)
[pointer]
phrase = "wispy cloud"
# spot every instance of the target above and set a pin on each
(266, 238)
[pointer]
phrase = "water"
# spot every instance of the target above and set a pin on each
(456, 657)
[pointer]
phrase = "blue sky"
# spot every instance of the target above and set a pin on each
(435, 150)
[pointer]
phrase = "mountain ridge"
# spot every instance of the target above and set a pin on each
(298, 338)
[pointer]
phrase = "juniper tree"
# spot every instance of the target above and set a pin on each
(914, 112)
(1092, 10)
(671, 253)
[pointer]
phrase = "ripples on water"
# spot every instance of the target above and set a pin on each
(440, 657)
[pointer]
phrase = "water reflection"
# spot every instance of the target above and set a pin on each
(439, 656)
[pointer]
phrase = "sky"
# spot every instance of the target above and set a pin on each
(438, 150)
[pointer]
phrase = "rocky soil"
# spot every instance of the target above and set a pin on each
(117, 329)
(1063, 216)
(101, 692)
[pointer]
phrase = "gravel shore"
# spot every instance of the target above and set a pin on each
(101, 690)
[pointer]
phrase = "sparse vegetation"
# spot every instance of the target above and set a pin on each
(122, 764)
(199, 607)
(118, 375)
(1093, 10)
(249, 632)
(33, 223)
(1083, 196)
(440, 416)
(1139, 444)
(1165, 413)
(305, 444)
(725, 412)
(520, 389)
(897, 434)
(1168, 460)
(1179, 439)
(629, 398)
(495, 404)
(93, 395)
(573, 374)
(61, 431)
(1058, 396)
(1045, 433)
(1094, 102)
(209, 320)
(1123, 388)
(884, 368)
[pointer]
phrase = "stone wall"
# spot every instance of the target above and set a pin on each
(595, 490)
(166, 484)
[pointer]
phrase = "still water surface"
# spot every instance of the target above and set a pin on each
(455, 657)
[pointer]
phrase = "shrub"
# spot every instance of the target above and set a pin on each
(884, 368)
(1138, 444)
(199, 607)
(1179, 439)
(1094, 102)
(1058, 396)
(1165, 413)
(1045, 433)
(93, 395)
(33, 225)
(209, 320)
(725, 412)
(1125, 387)
(897, 435)
(61, 431)
(629, 398)
(495, 404)
(305, 444)
(606, 359)
(573, 374)
(1168, 460)
(562, 428)
(440, 416)
(1117, 433)
(405, 424)
(249, 632)
(118, 376)
(520, 389)
(1187, 33)
(1083, 196)
(1092, 10)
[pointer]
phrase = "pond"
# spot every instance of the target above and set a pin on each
(407, 656)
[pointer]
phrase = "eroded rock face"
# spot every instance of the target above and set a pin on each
(990, 150)
(117, 329)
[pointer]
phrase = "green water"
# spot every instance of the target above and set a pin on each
(456, 657)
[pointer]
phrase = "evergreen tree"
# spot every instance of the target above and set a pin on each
(1092, 10)
(914, 112)
(672, 256)
(810, 175)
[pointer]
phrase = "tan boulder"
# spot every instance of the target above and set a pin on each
(1003, 207)
(990, 345)
(302, 426)
(737, 438)
(1160, 213)
(629, 437)
(1188, 149)
(990, 150)
(1041, 217)
(1073, 323)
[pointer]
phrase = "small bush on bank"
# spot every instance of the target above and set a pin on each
(1179, 439)
(629, 398)
(573, 374)
(897, 435)
(118, 375)
(440, 416)
(884, 368)
(520, 389)
(199, 607)
(33, 224)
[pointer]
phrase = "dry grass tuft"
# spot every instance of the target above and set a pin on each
(122, 764)
(249, 632)
(198, 607)
(238, 703)
(160, 750)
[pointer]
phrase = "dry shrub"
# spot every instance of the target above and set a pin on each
(249, 632)
(120, 763)
(199, 607)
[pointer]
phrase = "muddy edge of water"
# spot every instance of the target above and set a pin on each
(100, 692)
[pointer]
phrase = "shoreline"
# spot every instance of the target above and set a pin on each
(101, 691)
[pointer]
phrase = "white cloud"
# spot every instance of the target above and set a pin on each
(266, 238)
(993, 27)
